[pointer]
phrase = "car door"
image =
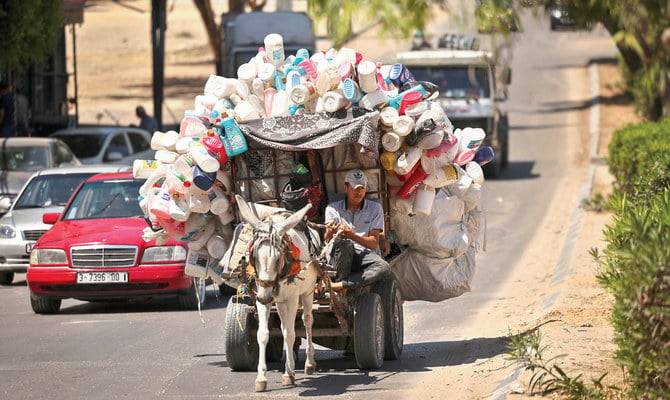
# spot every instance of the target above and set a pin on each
(141, 146)
(118, 148)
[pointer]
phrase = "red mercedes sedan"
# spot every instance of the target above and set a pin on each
(95, 251)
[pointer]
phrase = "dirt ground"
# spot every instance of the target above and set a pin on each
(114, 75)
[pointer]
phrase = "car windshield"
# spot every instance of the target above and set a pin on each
(50, 190)
(84, 145)
(455, 82)
(105, 199)
(26, 158)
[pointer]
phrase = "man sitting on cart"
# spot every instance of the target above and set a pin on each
(361, 221)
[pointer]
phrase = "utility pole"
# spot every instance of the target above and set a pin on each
(158, 27)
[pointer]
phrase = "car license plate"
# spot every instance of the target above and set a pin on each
(102, 277)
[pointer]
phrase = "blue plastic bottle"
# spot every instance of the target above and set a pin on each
(232, 138)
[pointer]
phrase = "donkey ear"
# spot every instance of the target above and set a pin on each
(247, 214)
(292, 221)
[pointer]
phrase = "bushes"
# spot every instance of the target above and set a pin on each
(639, 159)
(636, 262)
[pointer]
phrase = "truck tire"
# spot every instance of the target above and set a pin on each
(369, 331)
(241, 346)
(6, 278)
(387, 290)
(44, 305)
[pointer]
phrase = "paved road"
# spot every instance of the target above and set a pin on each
(153, 350)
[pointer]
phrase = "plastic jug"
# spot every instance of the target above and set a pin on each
(232, 138)
(423, 200)
(202, 158)
(274, 49)
(367, 76)
(412, 183)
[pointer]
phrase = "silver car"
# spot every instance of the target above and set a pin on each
(20, 157)
(46, 191)
(107, 144)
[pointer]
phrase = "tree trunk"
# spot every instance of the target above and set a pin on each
(209, 20)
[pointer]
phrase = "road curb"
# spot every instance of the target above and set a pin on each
(562, 267)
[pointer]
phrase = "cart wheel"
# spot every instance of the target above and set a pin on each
(241, 345)
(393, 317)
(369, 331)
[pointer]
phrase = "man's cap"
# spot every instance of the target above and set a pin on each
(356, 178)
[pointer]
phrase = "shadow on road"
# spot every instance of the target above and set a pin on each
(338, 374)
(517, 170)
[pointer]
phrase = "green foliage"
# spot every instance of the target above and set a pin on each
(597, 203)
(398, 17)
(636, 269)
(636, 262)
(639, 159)
(28, 29)
(547, 376)
(635, 27)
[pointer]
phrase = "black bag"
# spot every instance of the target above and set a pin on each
(294, 195)
(341, 257)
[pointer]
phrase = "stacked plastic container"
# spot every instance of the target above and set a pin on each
(187, 192)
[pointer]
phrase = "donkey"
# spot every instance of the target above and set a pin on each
(274, 243)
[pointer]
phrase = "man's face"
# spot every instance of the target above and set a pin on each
(354, 195)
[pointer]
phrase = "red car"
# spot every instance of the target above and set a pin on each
(95, 251)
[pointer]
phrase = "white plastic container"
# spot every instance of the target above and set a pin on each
(274, 49)
(391, 141)
(302, 93)
(216, 246)
(373, 100)
(406, 162)
(201, 156)
(267, 72)
(329, 79)
(471, 138)
(144, 168)
(166, 156)
(474, 170)
(247, 72)
(219, 203)
(388, 115)
(423, 200)
(179, 210)
(198, 201)
(334, 100)
(367, 76)
(403, 125)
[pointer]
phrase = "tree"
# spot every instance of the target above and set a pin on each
(28, 29)
(399, 17)
(636, 26)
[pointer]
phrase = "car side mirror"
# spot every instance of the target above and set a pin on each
(50, 218)
(5, 203)
(114, 156)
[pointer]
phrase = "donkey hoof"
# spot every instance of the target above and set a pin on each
(261, 386)
(287, 380)
(309, 370)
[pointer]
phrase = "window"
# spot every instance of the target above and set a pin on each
(139, 142)
(117, 145)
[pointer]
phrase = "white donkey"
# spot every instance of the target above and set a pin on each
(274, 238)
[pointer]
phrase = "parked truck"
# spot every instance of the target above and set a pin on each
(471, 89)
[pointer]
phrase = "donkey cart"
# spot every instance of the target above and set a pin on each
(280, 170)
(367, 322)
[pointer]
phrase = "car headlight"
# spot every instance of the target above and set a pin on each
(164, 253)
(47, 257)
(7, 231)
